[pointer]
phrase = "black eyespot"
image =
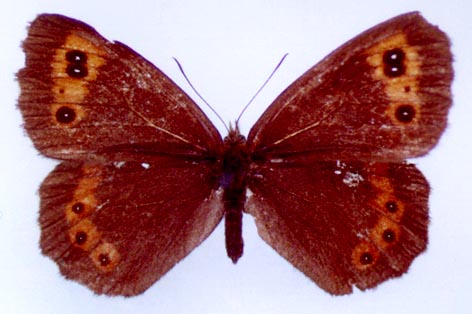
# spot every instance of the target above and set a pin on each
(77, 70)
(80, 237)
(65, 115)
(393, 61)
(104, 259)
(366, 258)
(78, 207)
(77, 67)
(391, 206)
(389, 236)
(76, 56)
(405, 113)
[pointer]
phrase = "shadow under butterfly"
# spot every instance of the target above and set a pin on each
(145, 177)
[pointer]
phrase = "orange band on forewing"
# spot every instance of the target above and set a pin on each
(401, 90)
(70, 91)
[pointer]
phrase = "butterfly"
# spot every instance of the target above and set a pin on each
(144, 176)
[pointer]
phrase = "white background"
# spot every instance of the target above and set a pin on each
(228, 48)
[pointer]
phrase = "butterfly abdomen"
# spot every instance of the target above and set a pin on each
(235, 162)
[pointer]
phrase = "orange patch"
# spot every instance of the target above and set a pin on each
(384, 224)
(67, 90)
(380, 203)
(358, 255)
(84, 193)
(105, 257)
(380, 183)
(72, 91)
(86, 227)
(75, 42)
(402, 90)
(95, 58)
(385, 193)
(89, 204)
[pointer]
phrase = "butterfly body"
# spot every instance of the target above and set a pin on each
(236, 162)
(144, 176)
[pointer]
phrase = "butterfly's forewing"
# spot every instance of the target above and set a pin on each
(384, 95)
(136, 192)
(84, 96)
(331, 190)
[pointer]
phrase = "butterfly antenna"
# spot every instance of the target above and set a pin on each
(198, 94)
(262, 86)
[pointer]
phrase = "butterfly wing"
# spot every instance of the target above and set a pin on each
(83, 96)
(343, 224)
(136, 192)
(119, 228)
(331, 190)
(383, 95)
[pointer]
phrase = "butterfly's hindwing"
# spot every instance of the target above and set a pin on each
(119, 227)
(342, 223)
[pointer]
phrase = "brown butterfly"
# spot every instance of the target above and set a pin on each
(145, 176)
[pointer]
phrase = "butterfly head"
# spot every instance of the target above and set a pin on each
(234, 137)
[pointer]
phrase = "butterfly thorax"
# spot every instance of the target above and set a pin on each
(235, 164)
